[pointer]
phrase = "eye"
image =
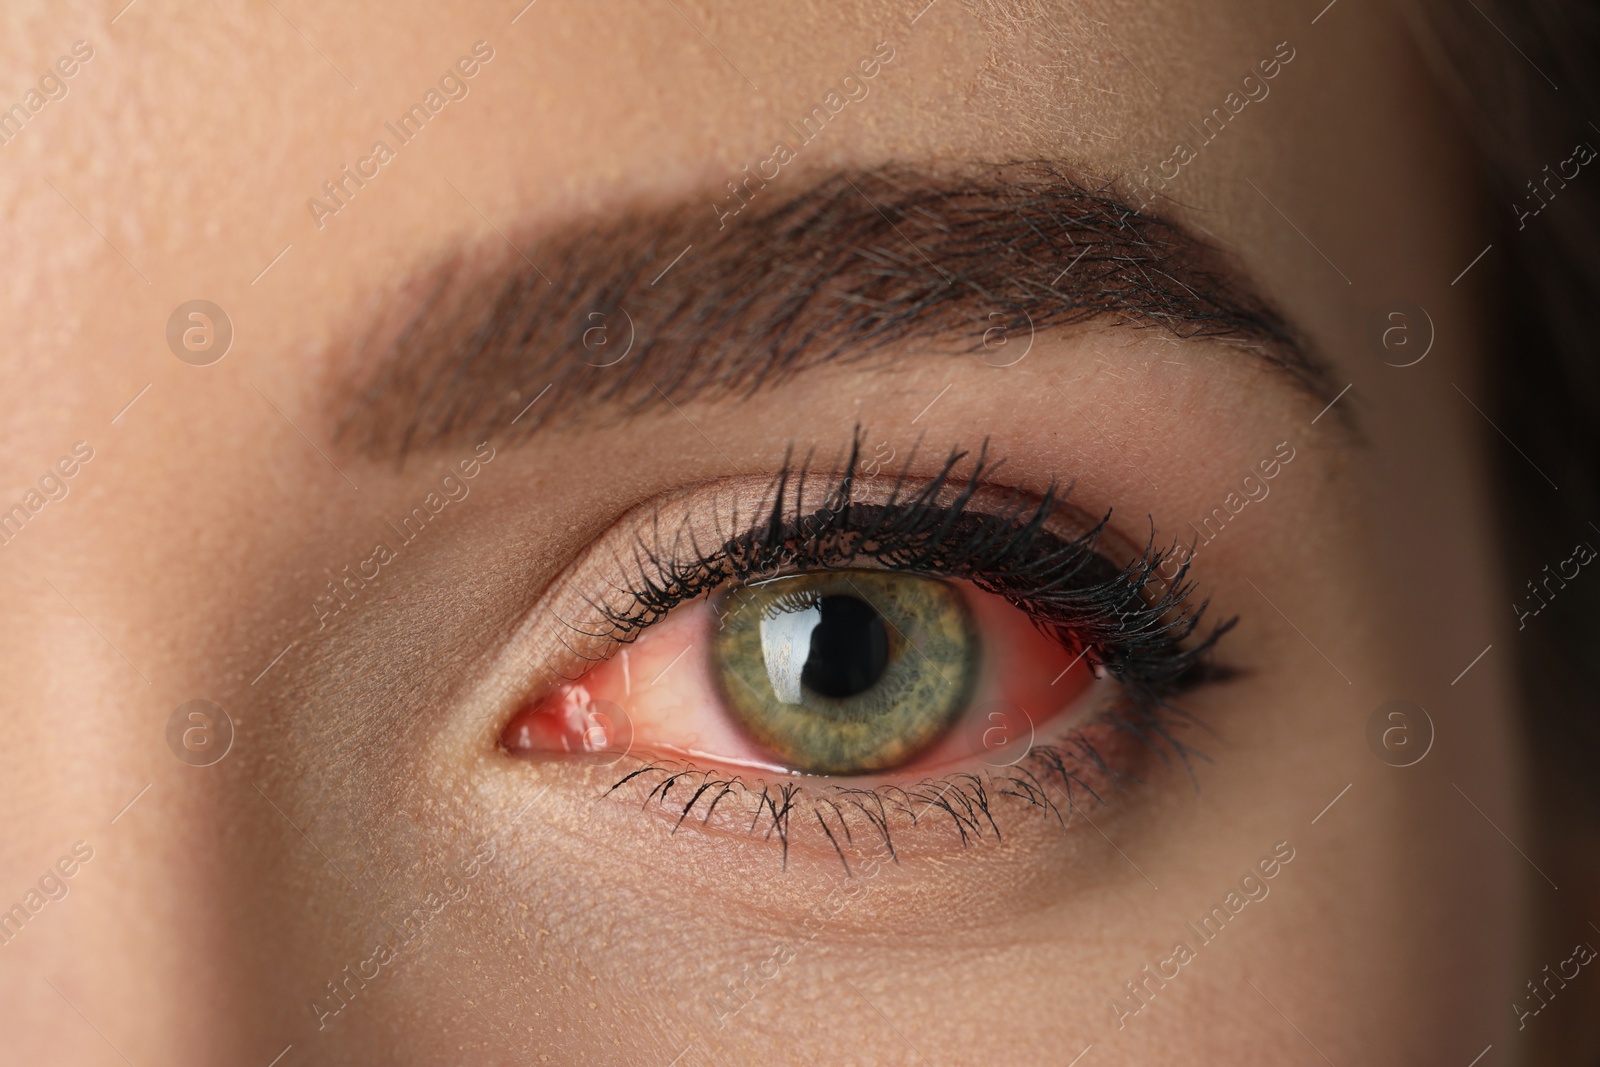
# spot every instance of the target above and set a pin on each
(846, 672)
(885, 631)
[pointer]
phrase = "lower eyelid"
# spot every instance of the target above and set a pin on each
(920, 818)
(1084, 761)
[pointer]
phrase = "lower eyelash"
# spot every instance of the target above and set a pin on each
(968, 799)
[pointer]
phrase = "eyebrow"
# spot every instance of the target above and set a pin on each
(734, 293)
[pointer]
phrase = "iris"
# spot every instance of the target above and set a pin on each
(846, 671)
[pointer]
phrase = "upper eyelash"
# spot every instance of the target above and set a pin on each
(1067, 587)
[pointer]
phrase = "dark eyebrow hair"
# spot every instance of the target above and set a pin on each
(710, 302)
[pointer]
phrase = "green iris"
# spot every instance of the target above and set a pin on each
(844, 672)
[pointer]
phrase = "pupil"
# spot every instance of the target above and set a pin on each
(849, 648)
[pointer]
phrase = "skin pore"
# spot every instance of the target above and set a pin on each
(523, 917)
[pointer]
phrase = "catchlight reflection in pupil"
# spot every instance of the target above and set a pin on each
(846, 671)
(836, 646)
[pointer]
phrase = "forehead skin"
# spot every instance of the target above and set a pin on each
(179, 165)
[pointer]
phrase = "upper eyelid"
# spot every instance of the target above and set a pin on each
(569, 629)
(735, 498)
(739, 505)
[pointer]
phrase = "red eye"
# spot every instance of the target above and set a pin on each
(842, 672)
